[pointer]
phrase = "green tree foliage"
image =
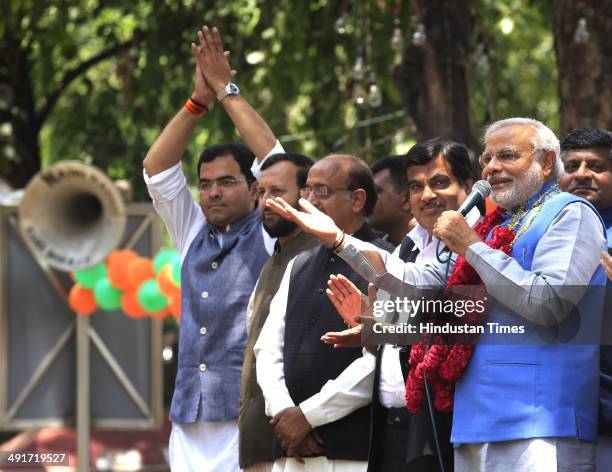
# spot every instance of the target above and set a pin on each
(97, 80)
(519, 76)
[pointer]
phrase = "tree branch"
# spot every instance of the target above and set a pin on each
(72, 74)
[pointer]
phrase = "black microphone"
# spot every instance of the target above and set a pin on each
(480, 191)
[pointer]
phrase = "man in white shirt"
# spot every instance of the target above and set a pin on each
(223, 246)
(307, 385)
(439, 177)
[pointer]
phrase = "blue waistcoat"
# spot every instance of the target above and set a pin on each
(539, 388)
(216, 283)
(605, 397)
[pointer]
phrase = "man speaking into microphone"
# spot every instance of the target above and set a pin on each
(516, 407)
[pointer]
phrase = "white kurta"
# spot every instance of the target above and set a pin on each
(351, 390)
(203, 445)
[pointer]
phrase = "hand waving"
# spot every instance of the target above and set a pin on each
(310, 220)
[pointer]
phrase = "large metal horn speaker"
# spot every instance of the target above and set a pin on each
(72, 215)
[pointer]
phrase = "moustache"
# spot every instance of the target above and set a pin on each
(268, 213)
(581, 187)
(434, 203)
(492, 179)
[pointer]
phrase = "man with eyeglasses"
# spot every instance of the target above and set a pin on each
(523, 402)
(310, 388)
(587, 158)
(223, 247)
(439, 177)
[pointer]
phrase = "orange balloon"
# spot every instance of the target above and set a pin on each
(81, 300)
(117, 268)
(139, 270)
(165, 282)
(130, 305)
(159, 314)
(175, 306)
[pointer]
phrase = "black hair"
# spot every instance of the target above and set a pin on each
(303, 163)
(360, 176)
(241, 154)
(587, 138)
(456, 154)
(396, 167)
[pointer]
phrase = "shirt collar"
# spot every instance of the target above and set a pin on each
(422, 238)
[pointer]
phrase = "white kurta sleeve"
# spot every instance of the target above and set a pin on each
(175, 205)
(339, 397)
(564, 261)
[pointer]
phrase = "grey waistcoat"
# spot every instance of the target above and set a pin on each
(217, 281)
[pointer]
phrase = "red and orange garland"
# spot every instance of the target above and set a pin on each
(443, 363)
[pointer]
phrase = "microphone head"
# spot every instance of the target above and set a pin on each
(482, 187)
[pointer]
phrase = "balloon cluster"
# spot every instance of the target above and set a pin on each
(139, 286)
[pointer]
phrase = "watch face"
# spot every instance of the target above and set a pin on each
(232, 89)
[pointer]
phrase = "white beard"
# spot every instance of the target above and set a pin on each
(523, 187)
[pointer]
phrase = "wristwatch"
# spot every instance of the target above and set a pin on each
(230, 89)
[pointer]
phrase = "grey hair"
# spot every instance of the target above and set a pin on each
(543, 140)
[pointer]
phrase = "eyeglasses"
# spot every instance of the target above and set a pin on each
(224, 183)
(504, 156)
(322, 192)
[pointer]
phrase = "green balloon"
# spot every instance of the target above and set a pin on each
(88, 278)
(107, 296)
(176, 272)
(150, 298)
(163, 257)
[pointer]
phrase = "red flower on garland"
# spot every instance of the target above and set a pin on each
(443, 364)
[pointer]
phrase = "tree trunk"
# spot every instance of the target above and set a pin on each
(433, 77)
(584, 62)
(19, 149)
(20, 156)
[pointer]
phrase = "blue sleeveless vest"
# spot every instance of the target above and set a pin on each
(538, 388)
(605, 380)
(216, 283)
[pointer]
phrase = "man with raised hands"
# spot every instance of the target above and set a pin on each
(223, 244)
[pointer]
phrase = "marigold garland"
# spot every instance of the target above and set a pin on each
(443, 363)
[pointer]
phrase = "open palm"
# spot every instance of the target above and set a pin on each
(346, 298)
(311, 220)
(347, 307)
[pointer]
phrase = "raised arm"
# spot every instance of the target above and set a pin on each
(168, 148)
(214, 64)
